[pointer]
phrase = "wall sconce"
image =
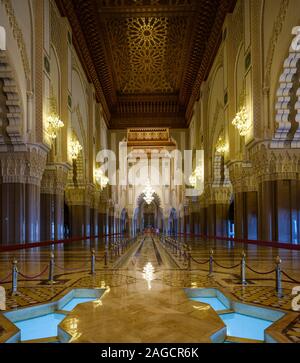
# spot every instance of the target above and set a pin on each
(53, 122)
(101, 179)
(74, 149)
(221, 146)
(242, 122)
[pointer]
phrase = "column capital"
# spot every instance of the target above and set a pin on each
(25, 166)
(217, 195)
(242, 176)
(82, 195)
(274, 164)
(55, 178)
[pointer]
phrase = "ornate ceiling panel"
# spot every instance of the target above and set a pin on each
(149, 55)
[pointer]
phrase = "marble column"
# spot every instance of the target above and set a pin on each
(217, 220)
(52, 201)
(102, 223)
(94, 222)
(80, 221)
(80, 202)
(211, 219)
(203, 220)
(246, 215)
(12, 213)
(221, 225)
(279, 210)
(21, 173)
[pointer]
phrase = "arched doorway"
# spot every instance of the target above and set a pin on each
(148, 216)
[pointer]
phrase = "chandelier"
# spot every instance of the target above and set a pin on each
(53, 122)
(242, 122)
(196, 175)
(193, 179)
(199, 172)
(101, 178)
(74, 149)
(148, 193)
(221, 146)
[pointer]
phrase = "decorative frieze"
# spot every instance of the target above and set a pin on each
(82, 195)
(274, 164)
(217, 195)
(24, 166)
(242, 177)
(55, 179)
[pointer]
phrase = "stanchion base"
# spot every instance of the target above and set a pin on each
(15, 293)
(51, 282)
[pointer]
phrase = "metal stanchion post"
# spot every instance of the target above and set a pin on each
(211, 263)
(278, 277)
(180, 252)
(93, 260)
(105, 257)
(189, 258)
(51, 269)
(243, 269)
(14, 287)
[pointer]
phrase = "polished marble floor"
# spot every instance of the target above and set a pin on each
(131, 311)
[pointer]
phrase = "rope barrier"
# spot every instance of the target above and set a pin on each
(34, 277)
(24, 246)
(226, 267)
(259, 272)
(72, 269)
(198, 262)
(274, 244)
(4, 281)
(99, 260)
(290, 278)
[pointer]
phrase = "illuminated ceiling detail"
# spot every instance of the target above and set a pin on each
(146, 58)
(112, 3)
(147, 53)
(150, 137)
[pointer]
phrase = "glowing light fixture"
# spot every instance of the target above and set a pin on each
(148, 193)
(199, 172)
(148, 273)
(74, 149)
(53, 122)
(242, 122)
(221, 146)
(101, 178)
(196, 175)
(193, 180)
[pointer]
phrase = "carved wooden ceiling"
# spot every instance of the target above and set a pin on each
(146, 58)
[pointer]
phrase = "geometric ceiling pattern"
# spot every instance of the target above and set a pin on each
(147, 53)
(146, 58)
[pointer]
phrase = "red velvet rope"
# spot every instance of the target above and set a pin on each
(24, 246)
(5, 279)
(279, 245)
